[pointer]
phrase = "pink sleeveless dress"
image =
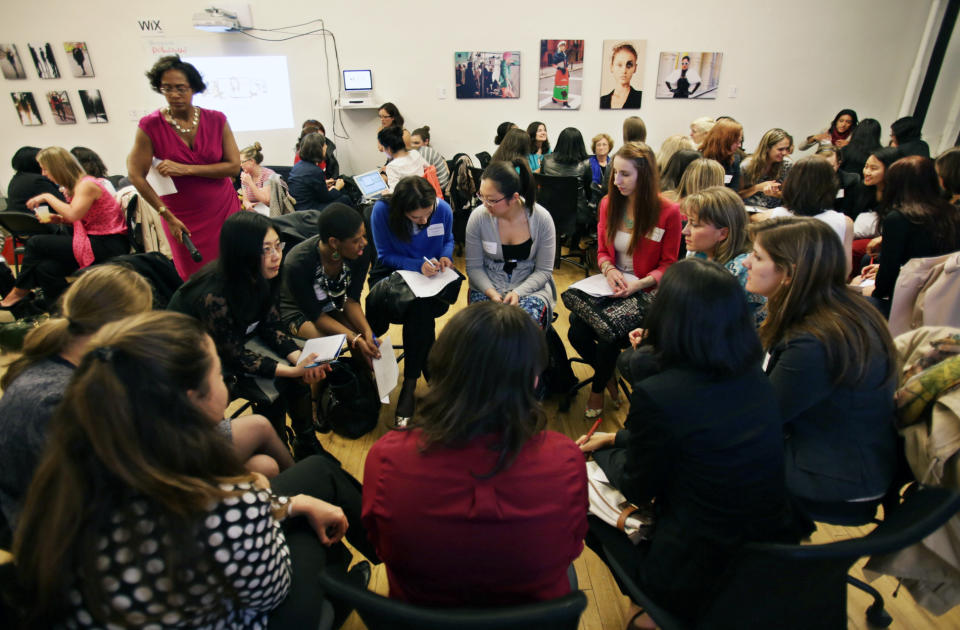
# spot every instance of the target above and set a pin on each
(203, 204)
(104, 217)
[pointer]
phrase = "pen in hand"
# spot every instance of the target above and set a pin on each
(429, 262)
(593, 429)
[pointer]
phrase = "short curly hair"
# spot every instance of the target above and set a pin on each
(173, 62)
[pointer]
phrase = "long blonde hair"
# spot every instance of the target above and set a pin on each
(670, 146)
(760, 160)
(103, 294)
(702, 173)
(722, 208)
(63, 167)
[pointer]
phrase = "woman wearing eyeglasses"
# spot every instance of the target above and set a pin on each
(511, 243)
(196, 148)
(234, 298)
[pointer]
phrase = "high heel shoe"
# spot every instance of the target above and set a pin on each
(406, 403)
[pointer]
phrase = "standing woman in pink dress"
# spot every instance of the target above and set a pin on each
(197, 149)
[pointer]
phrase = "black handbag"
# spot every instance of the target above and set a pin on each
(389, 299)
(610, 317)
(348, 400)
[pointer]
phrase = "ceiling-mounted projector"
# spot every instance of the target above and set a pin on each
(216, 21)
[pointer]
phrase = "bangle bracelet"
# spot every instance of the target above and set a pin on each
(353, 344)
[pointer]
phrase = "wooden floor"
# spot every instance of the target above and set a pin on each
(606, 607)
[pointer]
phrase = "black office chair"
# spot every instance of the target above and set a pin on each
(282, 171)
(801, 586)
(21, 227)
(381, 613)
(476, 173)
(561, 196)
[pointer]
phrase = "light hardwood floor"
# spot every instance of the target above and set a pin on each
(606, 607)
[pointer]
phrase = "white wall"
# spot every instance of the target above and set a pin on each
(794, 64)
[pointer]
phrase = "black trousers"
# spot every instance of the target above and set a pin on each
(599, 354)
(419, 331)
(48, 260)
(294, 399)
(322, 478)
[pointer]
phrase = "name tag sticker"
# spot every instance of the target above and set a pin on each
(435, 229)
(319, 292)
(252, 327)
(840, 194)
(656, 234)
(490, 247)
(727, 179)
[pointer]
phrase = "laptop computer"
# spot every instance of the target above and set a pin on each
(371, 184)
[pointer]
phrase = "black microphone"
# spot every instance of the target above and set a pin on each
(194, 252)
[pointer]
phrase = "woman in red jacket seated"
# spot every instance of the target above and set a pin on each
(638, 234)
(476, 504)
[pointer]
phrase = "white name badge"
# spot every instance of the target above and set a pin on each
(840, 194)
(252, 327)
(766, 361)
(656, 234)
(319, 292)
(727, 179)
(435, 229)
(490, 247)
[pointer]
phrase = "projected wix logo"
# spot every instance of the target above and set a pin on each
(254, 92)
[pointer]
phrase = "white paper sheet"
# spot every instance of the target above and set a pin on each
(326, 348)
(386, 370)
(262, 208)
(597, 285)
(161, 184)
(423, 286)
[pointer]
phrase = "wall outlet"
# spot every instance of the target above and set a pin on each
(732, 91)
(441, 92)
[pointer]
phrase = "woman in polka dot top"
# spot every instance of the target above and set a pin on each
(140, 514)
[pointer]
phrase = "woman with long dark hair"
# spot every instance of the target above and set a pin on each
(638, 238)
(714, 484)
(838, 133)
(413, 231)
(515, 143)
(516, 492)
(511, 243)
(917, 222)
(235, 299)
(832, 365)
(570, 159)
(141, 513)
(864, 140)
(539, 144)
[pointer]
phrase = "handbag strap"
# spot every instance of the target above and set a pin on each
(624, 515)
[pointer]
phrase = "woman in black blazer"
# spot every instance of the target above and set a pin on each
(715, 471)
(832, 364)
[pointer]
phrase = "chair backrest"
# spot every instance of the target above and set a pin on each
(381, 613)
(559, 195)
(21, 224)
(476, 173)
(282, 171)
(806, 584)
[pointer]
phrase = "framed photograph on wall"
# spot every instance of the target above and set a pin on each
(487, 74)
(26, 108)
(93, 106)
(43, 60)
(78, 58)
(688, 74)
(560, 84)
(621, 79)
(10, 62)
(60, 108)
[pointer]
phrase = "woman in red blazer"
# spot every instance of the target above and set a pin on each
(638, 237)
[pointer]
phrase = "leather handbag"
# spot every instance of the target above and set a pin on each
(610, 506)
(610, 317)
(389, 299)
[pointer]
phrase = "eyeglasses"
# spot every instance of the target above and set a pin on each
(269, 249)
(179, 89)
(384, 116)
(489, 202)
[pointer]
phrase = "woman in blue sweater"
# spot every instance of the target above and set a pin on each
(413, 231)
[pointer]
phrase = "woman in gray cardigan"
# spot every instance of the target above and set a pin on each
(511, 243)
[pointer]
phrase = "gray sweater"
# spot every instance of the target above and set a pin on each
(533, 276)
(25, 411)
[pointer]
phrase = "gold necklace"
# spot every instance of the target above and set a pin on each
(176, 125)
